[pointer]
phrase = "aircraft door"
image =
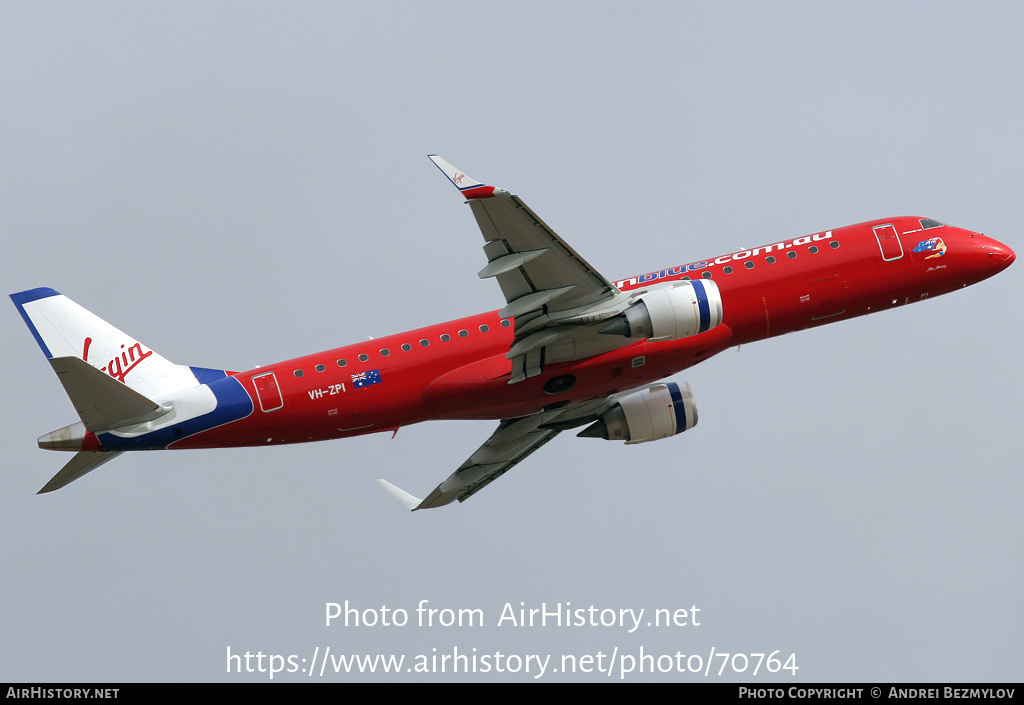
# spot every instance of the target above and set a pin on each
(888, 242)
(267, 391)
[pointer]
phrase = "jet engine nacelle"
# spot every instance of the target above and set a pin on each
(689, 308)
(647, 415)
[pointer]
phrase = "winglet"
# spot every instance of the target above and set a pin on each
(401, 495)
(467, 186)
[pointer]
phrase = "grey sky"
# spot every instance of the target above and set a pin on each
(239, 183)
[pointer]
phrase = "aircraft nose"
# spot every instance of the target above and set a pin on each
(999, 254)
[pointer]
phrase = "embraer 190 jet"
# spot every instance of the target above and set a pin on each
(569, 349)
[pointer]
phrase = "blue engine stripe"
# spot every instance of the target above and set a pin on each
(678, 406)
(702, 305)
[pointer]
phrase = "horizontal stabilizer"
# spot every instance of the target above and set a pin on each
(101, 401)
(79, 465)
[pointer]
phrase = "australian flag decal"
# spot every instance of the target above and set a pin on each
(365, 379)
(934, 245)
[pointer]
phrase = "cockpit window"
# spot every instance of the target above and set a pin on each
(928, 223)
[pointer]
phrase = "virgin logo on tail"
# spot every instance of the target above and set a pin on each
(121, 365)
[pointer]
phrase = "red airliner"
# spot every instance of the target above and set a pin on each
(570, 348)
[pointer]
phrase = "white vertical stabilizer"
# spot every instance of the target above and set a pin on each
(64, 329)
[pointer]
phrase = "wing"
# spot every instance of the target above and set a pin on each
(554, 296)
(512, 442)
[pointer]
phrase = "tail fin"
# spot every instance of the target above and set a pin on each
(64, 329)
(111, 378)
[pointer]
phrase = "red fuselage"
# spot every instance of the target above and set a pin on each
(459, 370)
